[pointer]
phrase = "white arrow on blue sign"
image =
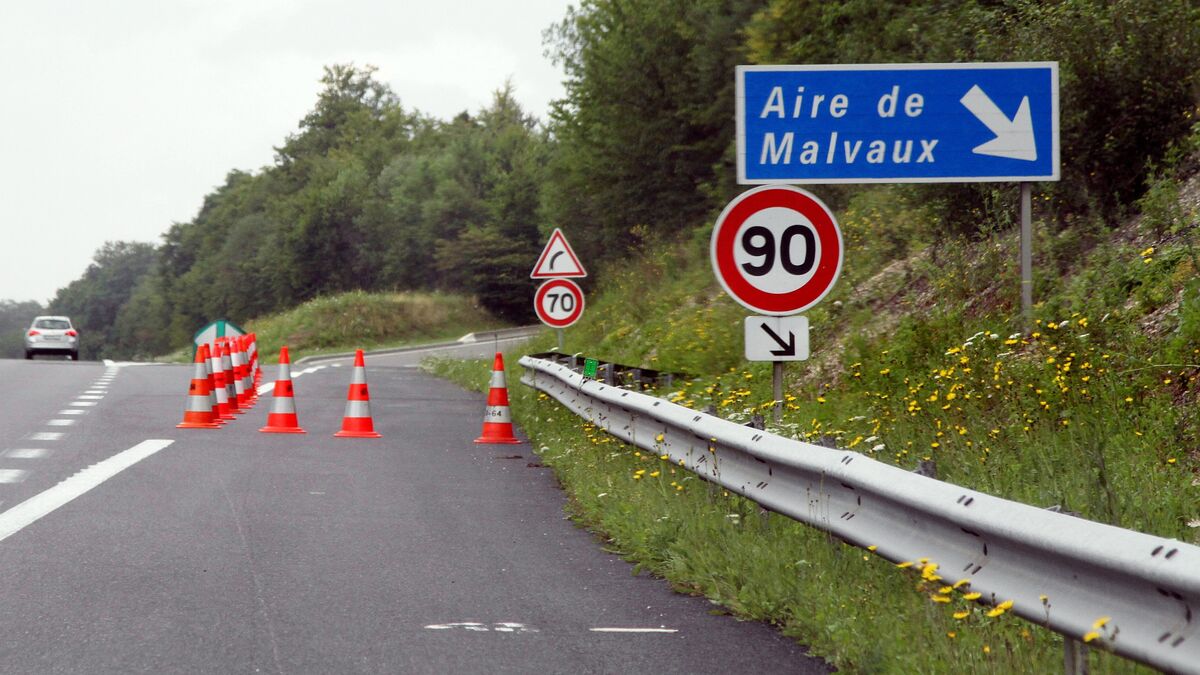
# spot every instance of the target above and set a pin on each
(898, 123)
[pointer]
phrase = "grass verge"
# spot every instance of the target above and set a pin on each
(361, 320)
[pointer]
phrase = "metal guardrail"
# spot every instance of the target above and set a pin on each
(617, 374)
(483, 336)
(1059, 571)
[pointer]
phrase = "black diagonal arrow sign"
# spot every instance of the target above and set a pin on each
(785, 348)
(777, 338)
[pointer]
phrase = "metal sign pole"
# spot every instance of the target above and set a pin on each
(1026, 256)
(777, 381)
(560, 340)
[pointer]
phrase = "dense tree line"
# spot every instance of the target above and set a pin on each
(371, 195)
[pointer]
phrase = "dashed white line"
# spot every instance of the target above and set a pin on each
(45, 436)
(31, 510)
(60, 423)
(27, 453)
(89, 397)
(633, 630)
(12, 475)
(83, 404)
(71, 412)
(96, 391)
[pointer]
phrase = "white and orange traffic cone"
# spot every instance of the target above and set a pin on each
(230, 386)
(282, 418)
(212, 386)
(239, 379)
(497, 420)
(357, 422)
(255, 366)
(248, 379)
(219, 388)
(198, 413)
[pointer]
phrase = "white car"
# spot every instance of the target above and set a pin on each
(52, 335)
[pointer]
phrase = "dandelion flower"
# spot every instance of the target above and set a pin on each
(972, 596)
(962, 615)
(1100, 623)
(1090, 635)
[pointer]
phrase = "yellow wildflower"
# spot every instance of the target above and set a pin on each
(1090, 635)
(961, 615)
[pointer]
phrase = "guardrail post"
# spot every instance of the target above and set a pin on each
(608, 374)
(1075, 657)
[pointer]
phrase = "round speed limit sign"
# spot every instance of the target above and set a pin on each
(777, 250)
(558, 303)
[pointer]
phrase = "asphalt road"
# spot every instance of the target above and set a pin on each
(234, 551)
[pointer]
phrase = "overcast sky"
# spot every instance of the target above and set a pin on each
(116, 118)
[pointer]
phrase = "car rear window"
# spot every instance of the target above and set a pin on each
(52, 324)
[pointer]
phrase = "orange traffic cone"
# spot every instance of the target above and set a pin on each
(248, 380)
(219, 388)
(239, 376)
(255, 366)
(212, 386)
(230, 388)
(497, 421)
(357, 422)
(198, 413)
(282, 419)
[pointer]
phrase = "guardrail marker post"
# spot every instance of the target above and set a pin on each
(1075, 657)
(777, 382)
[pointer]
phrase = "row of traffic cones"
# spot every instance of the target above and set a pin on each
(219, 391)
(223, 382)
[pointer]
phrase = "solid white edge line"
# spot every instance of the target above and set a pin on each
(31, 510)
(633, 630)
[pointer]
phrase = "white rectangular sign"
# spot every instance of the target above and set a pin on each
(777, 338)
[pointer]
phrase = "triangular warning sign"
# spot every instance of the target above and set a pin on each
(557, 260)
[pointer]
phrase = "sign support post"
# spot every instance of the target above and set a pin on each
(560, 340)
(777, 384)
(1026, 256)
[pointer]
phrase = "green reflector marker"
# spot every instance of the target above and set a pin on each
(589, 368)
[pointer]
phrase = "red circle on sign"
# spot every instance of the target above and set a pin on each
(552, 315)
(740, 286)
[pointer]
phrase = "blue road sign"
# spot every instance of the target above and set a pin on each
(898, 123)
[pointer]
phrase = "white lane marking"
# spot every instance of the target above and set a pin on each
(83, 404)
(264, 388)
(45, 436)
(27, 453)
(89, 397)
(633, 630)
(31, 510)
(60, 423)
(476, 627)
(12, 475)
(109, 363)
(100, 391)
(71, 412)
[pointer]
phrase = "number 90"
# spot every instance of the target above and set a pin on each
(759, 242)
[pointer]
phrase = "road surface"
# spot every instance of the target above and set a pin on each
(234, 551)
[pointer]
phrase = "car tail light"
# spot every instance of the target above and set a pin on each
(34, 332)
(72, 333)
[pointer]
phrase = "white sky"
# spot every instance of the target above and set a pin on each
(116, 118)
